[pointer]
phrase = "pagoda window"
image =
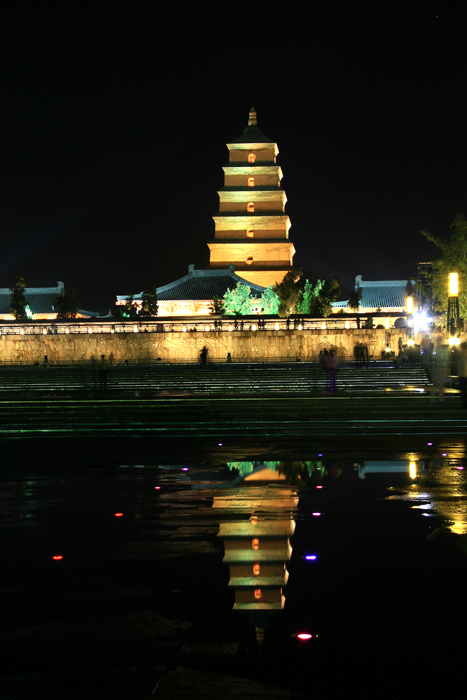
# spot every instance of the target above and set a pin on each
(250, 207)
(251, 157)
(250, 233)
(251, 182)
(249, 260)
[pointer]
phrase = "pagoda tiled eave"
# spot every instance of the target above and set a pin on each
(258, 220)
(245, 168)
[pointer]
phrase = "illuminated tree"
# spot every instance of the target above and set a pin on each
(66, 305)
(453, 259)
(324, 293)
(238, 301)
(304, 305)
(270, 301)
(18, 302)
(149, 305)
(289, 292)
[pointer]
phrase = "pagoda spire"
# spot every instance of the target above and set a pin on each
(252, 120)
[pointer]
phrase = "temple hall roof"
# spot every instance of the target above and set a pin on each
(383, 294)
(201, 285)
(40, 300)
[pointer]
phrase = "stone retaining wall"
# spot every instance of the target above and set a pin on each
(179, 346)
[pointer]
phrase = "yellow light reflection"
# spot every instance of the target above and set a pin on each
(413, 470)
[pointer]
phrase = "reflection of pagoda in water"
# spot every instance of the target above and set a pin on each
(257, 552)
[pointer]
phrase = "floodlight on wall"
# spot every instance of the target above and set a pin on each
(276, 327)
(253, 326)
(323, 326)
(89, 329)
(207, 328)
(230, 328)
(135, 329)
(184, 329)
(300, 327)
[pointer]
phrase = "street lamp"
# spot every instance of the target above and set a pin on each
(409, 311)
(453, 303)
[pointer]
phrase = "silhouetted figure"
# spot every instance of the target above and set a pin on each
(203, 356)
(229, 357)
(461, 363)
(103, 372)
(440, 369)
(330, 366)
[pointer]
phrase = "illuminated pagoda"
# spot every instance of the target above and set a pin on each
(251, 226)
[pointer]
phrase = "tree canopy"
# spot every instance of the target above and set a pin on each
(453, 258)
(66, 305)
(149, 305)
(18, 304)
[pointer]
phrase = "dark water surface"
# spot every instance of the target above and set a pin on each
(366, 557)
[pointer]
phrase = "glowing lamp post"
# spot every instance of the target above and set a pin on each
(409, 311)
(453, 303)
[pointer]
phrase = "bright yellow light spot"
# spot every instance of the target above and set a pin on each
(453, 284)
(386, 323)
(184, 329)
(253, 326)
(412, 470)
(411, 342)
(250, 233)
(347, 324)
(89, 330)
(409, 305)
(230, 328)
(323, 326)
(22, 331)
(387, 349)
(207, 328)
(135, 329)
(44, 332)
(276, 327)
(454, 341)
(300, 327)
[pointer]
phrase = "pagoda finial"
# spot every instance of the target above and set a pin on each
(252, 121)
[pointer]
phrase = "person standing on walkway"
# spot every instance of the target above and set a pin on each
(440, 369)
(103, 372)
(330, 365)
(461, 363)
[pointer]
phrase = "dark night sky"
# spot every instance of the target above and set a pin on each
(115, 119)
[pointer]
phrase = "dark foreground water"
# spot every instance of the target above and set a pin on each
(115, 582)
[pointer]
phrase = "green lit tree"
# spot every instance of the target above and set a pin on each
(270, 301)
(18, 304)
(453, 258)
(304, 305)
(238, 301)
(149, 305)
(66, 305)
(325, 292)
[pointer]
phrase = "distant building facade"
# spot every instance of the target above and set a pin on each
(251, 226)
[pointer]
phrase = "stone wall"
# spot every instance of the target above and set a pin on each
(179, 346)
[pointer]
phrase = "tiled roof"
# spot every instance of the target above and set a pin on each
(200, 285)
(39, 299)
(252, 134)
(384, 294)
